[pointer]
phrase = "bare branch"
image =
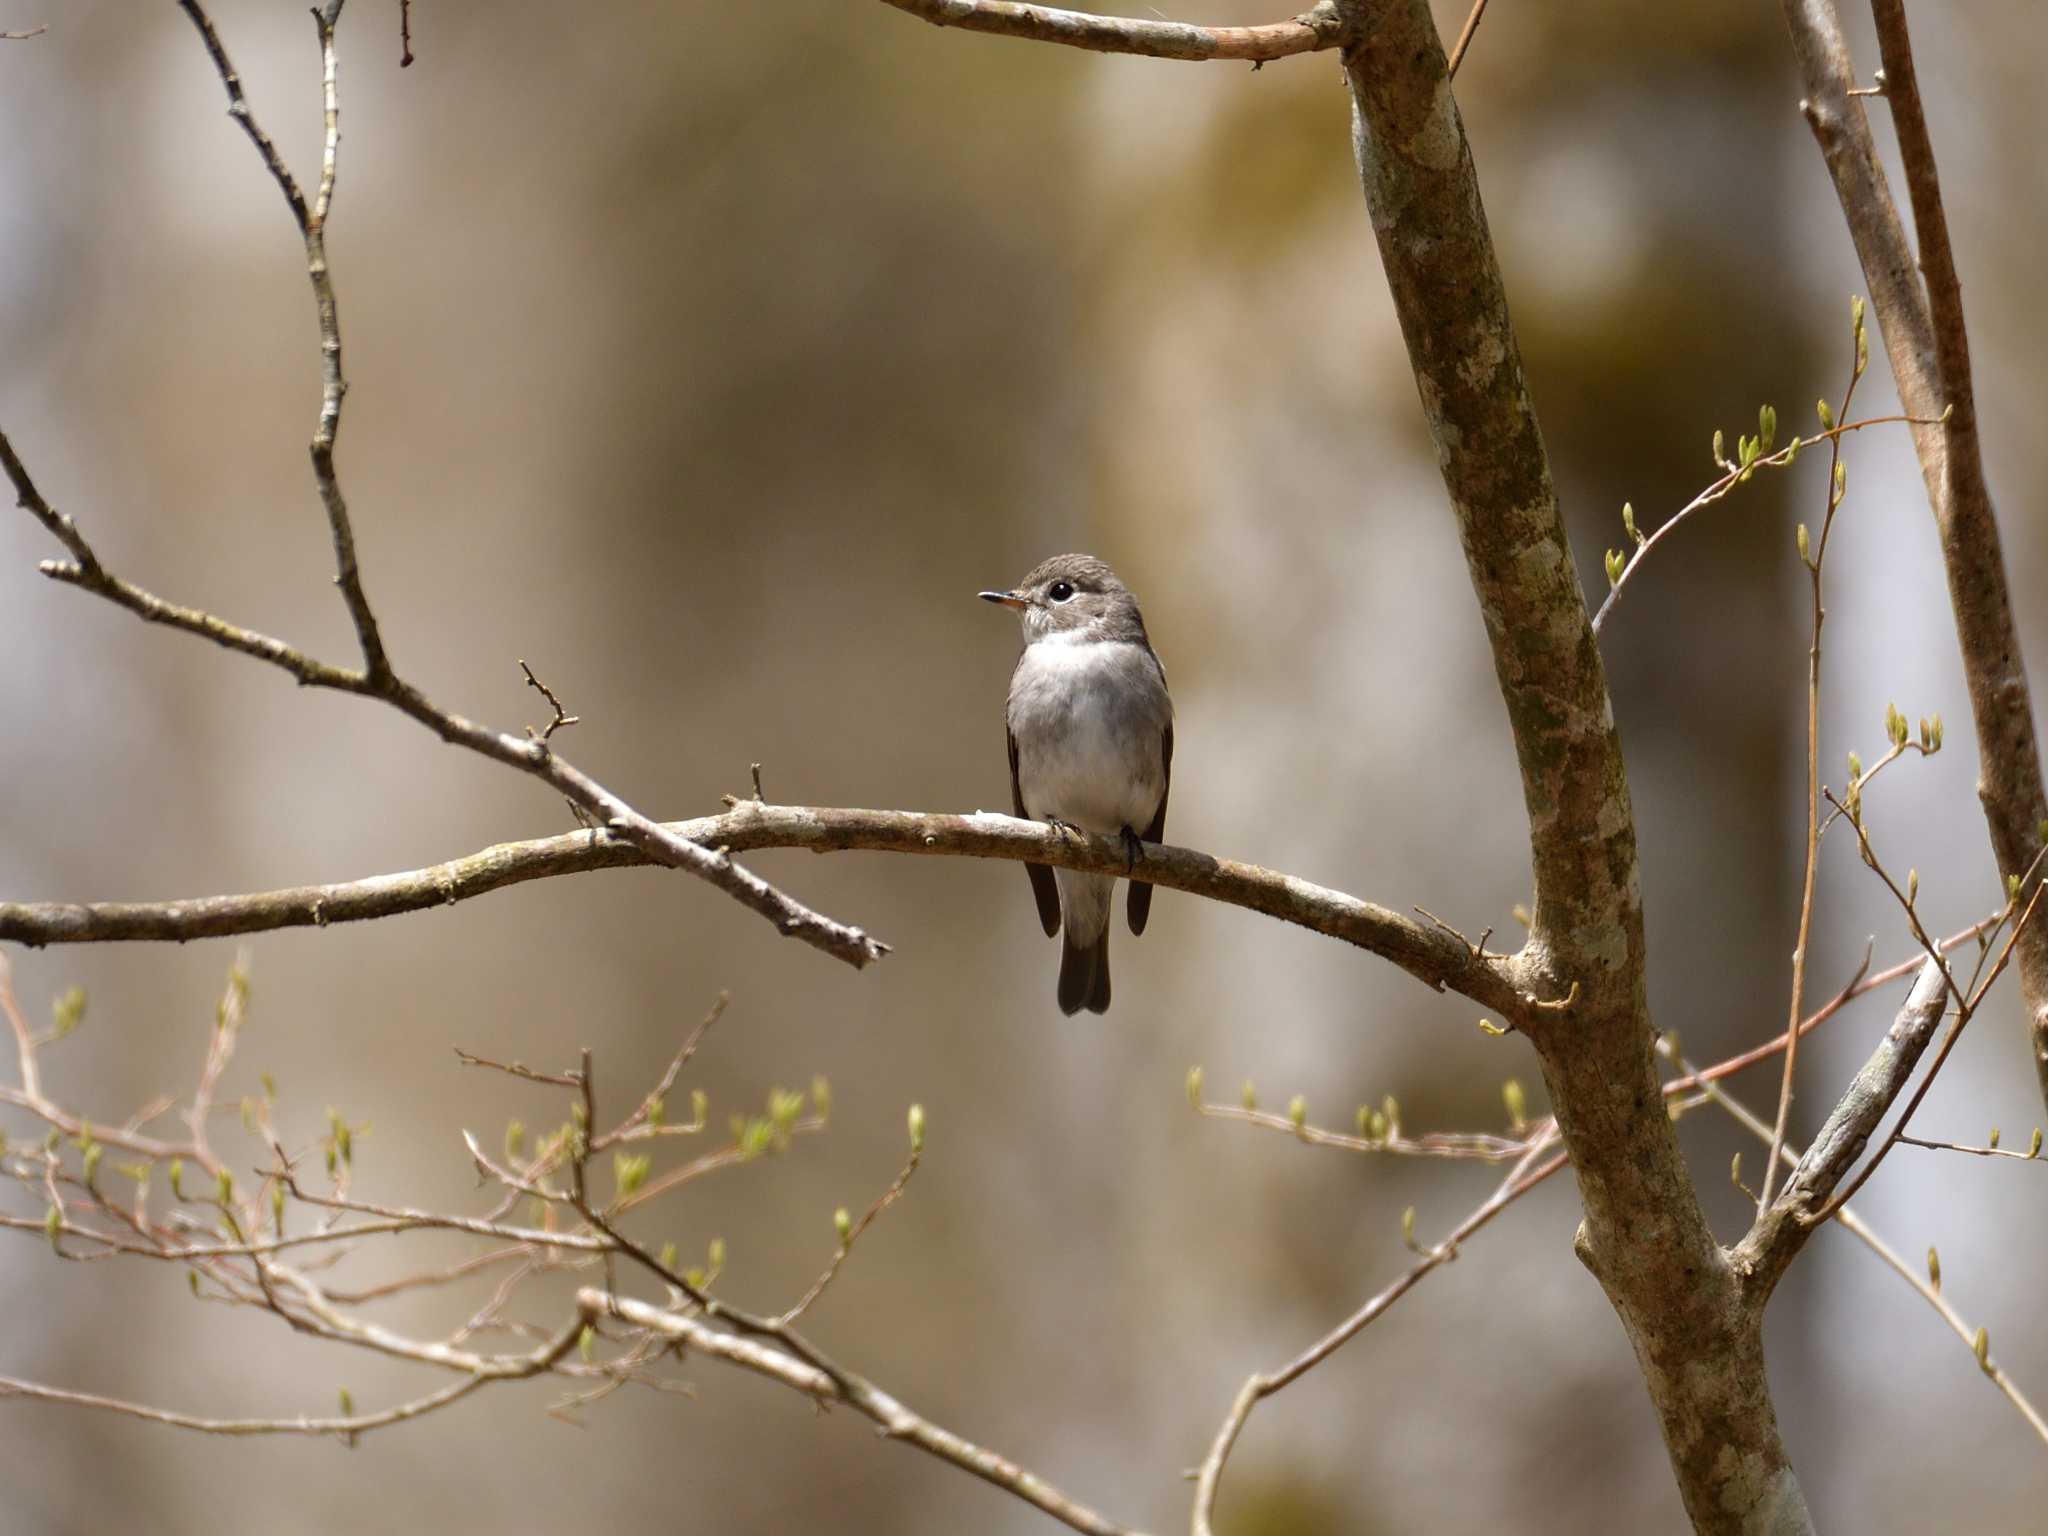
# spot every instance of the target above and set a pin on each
(1928, 1287)
(1782, 1229)
(1307, 33)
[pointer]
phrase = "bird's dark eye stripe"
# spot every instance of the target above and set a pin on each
(1060, 591)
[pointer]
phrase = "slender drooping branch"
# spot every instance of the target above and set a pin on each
(769, 1359)
(1433, 954)
(1307, 33)
(1928, 346)
(1699, 1346)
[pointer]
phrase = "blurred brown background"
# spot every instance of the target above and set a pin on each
(711, 356)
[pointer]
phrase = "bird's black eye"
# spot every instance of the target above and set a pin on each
(1060, 591)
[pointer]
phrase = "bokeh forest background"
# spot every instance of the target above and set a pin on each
(711, 356)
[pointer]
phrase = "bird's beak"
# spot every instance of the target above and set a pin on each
(1007, 599)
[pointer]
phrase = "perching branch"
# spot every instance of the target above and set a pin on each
(1433, 955)
(1928, 345)
(1309, 32)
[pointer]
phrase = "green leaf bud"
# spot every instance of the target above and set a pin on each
(821, 1098)
(515, 1140)
(1805, 543)
(916, 1120)
(1297, 1113)
(1767, 427)
(1827, 415)
(53, 1229)
(1248, 1096)
(668, 1257)
(629, 1173)
(842, 1224)
(177, 1178)
(586, 1343)
(1933, 1270)
(1194, 1087)
(68, 1011)
(1517, 1103)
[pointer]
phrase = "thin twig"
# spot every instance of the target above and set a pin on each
(1525, 1176)
(1735, 476)
(1811, 864)
(1465, 35)
(1307, 33)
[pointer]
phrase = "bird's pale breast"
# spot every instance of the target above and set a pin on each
(1089, 719)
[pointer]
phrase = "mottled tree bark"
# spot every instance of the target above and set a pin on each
(1696, 1337)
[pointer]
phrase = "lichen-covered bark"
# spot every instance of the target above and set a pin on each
(1697, 1341)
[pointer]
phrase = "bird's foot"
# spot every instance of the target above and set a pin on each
(1134, 848)
(1064, 829)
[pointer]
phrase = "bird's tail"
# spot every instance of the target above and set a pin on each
(1084, 975)
(1084, 943)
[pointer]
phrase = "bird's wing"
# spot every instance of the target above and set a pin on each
(1043, 889)
(1141, 893)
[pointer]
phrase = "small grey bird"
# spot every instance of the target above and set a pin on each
(1091, 746)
